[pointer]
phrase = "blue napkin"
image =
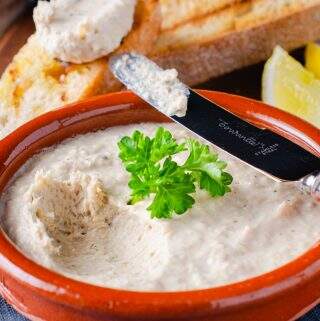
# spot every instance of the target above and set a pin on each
(313, 315)
(7, 313)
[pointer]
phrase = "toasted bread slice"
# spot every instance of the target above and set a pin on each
(236, 36)
(35, 82)
(240, 16)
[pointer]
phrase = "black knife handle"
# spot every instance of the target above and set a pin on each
(311, 185)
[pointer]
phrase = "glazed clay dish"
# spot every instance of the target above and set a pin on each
(42, 294)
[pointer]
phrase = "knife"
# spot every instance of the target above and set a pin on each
(262, 149)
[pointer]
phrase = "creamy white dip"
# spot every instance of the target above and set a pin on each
(67, 210)
(82, 30)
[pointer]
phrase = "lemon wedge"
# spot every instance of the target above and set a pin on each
(313, 58)
(286, 84)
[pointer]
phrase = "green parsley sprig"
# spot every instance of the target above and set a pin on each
(149, 161)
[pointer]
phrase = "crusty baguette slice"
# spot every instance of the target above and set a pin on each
(257, 26)
(35, 82)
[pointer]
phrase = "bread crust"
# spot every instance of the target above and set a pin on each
(199, 62)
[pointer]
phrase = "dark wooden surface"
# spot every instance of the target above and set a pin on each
(14, 39)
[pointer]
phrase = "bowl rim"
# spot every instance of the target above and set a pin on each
(78, 294)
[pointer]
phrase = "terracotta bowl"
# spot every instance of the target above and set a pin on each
(41, 294)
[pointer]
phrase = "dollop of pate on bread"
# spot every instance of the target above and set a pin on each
(80, 31)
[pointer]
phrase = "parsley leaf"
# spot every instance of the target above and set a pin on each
(135, 151)
(149, 161)
(164, 145)
(207, 169)
(172, 189)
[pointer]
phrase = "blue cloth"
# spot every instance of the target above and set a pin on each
(313, 315)
(8, 314)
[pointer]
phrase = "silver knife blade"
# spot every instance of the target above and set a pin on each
(268, 152)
